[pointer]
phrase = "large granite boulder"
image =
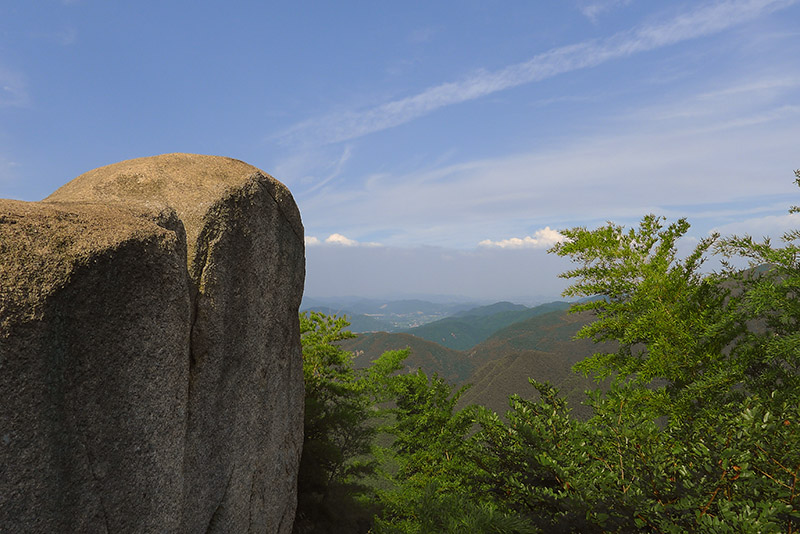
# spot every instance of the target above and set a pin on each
(157, 337)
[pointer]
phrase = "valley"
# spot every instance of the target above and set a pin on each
(495, 348)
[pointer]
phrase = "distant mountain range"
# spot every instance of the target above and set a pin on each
(372, 315)
(458, 326)
(495, 348)
(359, 322)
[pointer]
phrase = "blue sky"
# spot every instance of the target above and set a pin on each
(433, 147)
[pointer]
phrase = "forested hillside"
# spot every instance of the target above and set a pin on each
(433, 358)
(467, 329)
(541, 347)
(482, 330)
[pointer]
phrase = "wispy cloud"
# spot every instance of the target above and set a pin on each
(336, 169)
(705, 20)
(7, 171)
(67, 36)
(594, 9)
(310, 170)
(544, 238)
(763, 85)
(13, 89)
(422, 35)
(690, 164)
(729, 100)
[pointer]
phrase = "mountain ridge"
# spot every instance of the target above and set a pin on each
(466, 330)
(541, 347)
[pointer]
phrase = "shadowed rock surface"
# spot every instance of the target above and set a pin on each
(151, 316)
(93, 369)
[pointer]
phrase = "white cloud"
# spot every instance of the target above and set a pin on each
(708, 19)
(544, 238)
(716, 150)
(338, 240)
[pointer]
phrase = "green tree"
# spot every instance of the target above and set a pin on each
(672, 324)
(433, 474)
(716, 354)
(339, 428)
(699, 432)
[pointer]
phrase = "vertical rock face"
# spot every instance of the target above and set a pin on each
(163, 363)
(94, 363)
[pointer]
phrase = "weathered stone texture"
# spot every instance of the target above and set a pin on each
(93, 369)
(167, 385)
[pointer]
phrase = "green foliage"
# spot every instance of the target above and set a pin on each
(426, 467)
(769, 356)
(699, 432)
(435, 471)
(339, 428)
(622, 472)
(717, 354)
(432, 510)
(672, 324)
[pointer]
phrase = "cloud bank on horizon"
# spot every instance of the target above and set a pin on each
(409, 134)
